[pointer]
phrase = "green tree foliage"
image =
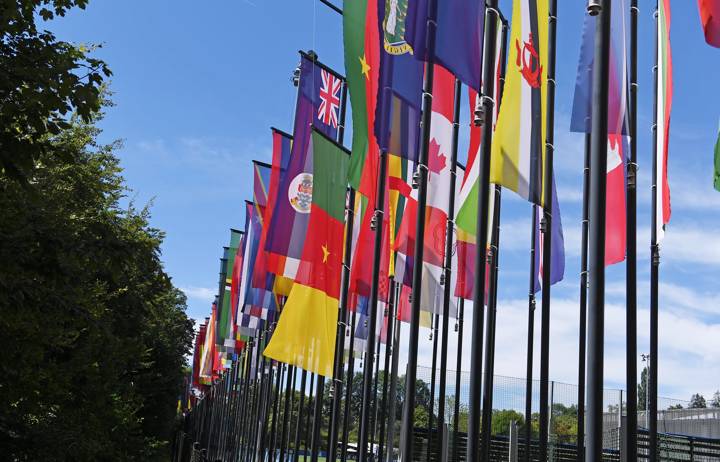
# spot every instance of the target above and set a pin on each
(43, 81)
(697, 401)
(93, 334)
(642, 389)
(715, 399)
(501, 420)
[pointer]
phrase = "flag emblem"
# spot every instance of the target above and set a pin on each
(529, 62)
(300, 192)
(329, 99)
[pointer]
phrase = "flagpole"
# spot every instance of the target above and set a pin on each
(447, 271)
(336, 384)
(458, 367)
(485, 116)
(373, 427)
(308, 428)
(421, 174)
(342, 325)
(431, 404)
(286, 412)
(298, 423)
(492, 259)
(393, 379)
(596, 241)
(530, 337)
(631, 231)
(388, 350)
(651, 393)
(582, 340)
(372, 307)
(547, 234)
(348, 389)
(317, 418)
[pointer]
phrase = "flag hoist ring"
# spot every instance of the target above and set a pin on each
(300, 192)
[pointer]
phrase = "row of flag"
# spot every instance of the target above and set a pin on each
(283, 273)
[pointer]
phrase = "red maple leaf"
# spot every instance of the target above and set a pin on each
(436, 160)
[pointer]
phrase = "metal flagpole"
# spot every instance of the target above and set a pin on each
(317, 418)
(431, 404)
(530, 338)
(651, 392)
(596, 244)
(484, 116)
(287, 408)
(447, 271)
(631, 269)
(375, 389)
(336, 382)
(546, 229)
(458, 367)
(583, 304)
(276, 402)
(348, 389)
(298, 424)
(306, 436)
(372, 307)
(392, 406)
(388, 350)
(421, 174)
(492, 259)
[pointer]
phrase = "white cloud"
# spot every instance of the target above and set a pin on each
(200, 293)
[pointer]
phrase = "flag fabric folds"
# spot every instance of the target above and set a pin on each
(306, 331)
(618, 79)
(615, 210)
(317, 107)
(518, 147)
(557, 245)
(710, 19)
(664, 105)
(458, 36)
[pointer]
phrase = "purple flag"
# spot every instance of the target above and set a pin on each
(557, 251)
(318, 106)
(458, 36)
(581, 120)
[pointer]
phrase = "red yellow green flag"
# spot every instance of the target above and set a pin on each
(305, 333)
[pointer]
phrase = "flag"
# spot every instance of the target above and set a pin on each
(255, 302)
(362, 66)
(305, 333)
(716, 181)
(557, 245)
(710, 19)
(615, 210)
(663, 107)
(618, 79)
(397, 119)
(208, 352)
(262, 278)
(317, 106)
(226, 317)
(235, 278)
(458, 36)
(518, 149)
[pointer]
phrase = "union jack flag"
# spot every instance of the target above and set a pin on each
(329, 99)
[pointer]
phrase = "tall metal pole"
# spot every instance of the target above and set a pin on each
(582, 340)
(631, 269)
(370, 345)
(419, 248)
(299, 422)
(307, 434)
(336, 383)
(276, 405)
(458, 368)
(317, 419)
(348, 391)
(447, 270)
(392, 407)
(596, 244)
(287, 409)
(431, 404)
(392, 314)
(486, 117)
(651, 393)
(547, 234)
(373, 426)
(530, 337)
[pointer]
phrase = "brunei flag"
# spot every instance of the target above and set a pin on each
(305, 333)
(518, 148)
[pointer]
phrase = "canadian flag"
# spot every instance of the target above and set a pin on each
(615, 212)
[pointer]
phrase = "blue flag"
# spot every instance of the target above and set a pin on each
(458, 37)
(581, 119)
(397, 117)
(557, 251)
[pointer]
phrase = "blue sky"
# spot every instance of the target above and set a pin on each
(196, 89)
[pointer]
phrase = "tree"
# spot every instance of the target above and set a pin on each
(43, 82)
(715, 399)
(93, 336)
(501, 420)
(697, 401)
(642, 389)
